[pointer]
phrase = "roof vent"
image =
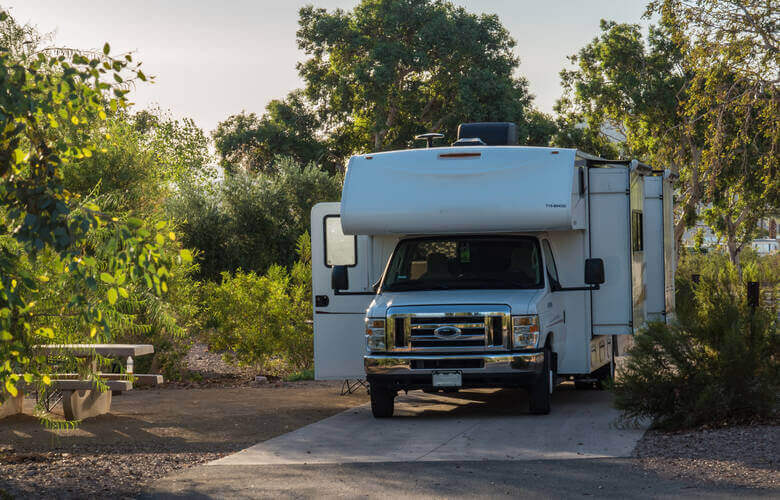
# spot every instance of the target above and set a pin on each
(491, 133)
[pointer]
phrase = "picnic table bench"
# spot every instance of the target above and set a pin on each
(91, 397)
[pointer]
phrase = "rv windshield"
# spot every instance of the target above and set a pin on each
(465, 263)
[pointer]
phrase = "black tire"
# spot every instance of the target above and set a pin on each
(540, 398)
(382, 401)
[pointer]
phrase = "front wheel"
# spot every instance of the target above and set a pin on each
(541, 392)
(382, 401)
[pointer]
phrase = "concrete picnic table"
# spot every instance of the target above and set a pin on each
(89, 350)
(84, 398)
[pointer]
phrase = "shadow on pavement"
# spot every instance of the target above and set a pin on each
(602, 478)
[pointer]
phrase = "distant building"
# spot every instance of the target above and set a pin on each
(765, 246)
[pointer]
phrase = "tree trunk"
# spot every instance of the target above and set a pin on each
(734, 251)
(731, 242)
(378, 136)
(679, 231)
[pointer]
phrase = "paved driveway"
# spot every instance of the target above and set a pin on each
(474, 443)
(470, 425)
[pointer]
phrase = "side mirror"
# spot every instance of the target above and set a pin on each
(339, 279)
(594, 271)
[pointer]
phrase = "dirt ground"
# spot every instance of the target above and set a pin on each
(151, 433)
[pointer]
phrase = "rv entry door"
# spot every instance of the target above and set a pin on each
(339, 328)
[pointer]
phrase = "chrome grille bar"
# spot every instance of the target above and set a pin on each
(473, 328)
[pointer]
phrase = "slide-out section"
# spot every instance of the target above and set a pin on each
(659, 246)
(610, 240)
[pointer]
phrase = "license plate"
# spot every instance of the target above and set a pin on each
(447, 379)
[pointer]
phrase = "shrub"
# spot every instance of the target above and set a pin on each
(262, 321)
(251, 221)
(302, 375)
(716, 364)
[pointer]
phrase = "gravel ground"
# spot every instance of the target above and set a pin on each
(211, 365)
(89, 473)
(748, 456)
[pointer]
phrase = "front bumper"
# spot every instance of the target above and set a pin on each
(420, 364)
(410, 371)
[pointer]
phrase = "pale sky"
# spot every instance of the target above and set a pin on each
(215, 58)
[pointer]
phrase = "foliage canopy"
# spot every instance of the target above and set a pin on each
(382, 73)
(700, 96)
(48, 99)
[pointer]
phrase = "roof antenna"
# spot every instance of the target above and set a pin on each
(429, 137)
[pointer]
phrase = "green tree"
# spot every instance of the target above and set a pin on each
(390, 69)
(289, 127)
(142, 157)
(180, 147)
(539, 130)
(733, 104)
(679, 101)
(47, 232)
(251, 220)
(624, 95)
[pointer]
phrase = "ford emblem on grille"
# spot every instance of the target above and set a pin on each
(447, 331)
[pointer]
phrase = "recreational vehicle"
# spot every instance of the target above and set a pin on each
(487, 264)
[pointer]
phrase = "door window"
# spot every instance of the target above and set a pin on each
(340, 248)
(552, 270)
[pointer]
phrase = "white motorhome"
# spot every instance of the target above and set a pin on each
(487, 265)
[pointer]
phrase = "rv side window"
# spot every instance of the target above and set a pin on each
(637, 237)
(340, 249)
(552, 270)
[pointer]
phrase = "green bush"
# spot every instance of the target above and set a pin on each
(263, 321)
(302, 375)
(716, 364)
(251, 221)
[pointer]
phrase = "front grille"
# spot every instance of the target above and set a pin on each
(450, 343)
(497, 329)
(460, 329)
(400, 331)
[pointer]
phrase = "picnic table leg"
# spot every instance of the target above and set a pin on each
(81, 404)
(78, 405)
(13, 405)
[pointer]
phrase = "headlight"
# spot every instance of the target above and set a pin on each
(375, 335)
(525, 331)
